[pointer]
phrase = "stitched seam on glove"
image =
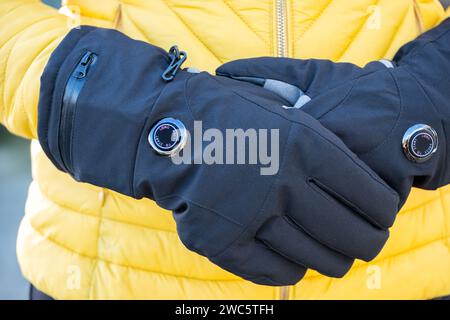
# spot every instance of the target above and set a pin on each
(397, 121)
(344, 99)
(413, 77)
(294, 260)
(361, 73)
(326, 191)
(269, 192)
(295, 221)
(292, 221)
(349, 93)
(161, 199)
(255, 279)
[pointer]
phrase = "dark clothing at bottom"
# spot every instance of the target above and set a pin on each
(35, 294)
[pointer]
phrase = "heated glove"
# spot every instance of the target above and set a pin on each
(116, 113)
(394, 115)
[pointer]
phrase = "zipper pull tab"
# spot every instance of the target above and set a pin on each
(178, 57)
(83, 66)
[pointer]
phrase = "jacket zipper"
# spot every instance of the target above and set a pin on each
(284, 293)
(281, 17)
(72, 91)
(281, 25)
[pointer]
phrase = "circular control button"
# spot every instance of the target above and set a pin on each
(420, 142)
(168, 136)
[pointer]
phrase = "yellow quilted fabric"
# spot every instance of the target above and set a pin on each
(78, 241)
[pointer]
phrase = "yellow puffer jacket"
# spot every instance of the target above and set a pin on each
(78, 241)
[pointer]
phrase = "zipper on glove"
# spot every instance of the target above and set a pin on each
(72, 92)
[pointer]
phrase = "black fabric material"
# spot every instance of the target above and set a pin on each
(371, 108)
(35, 294)
(231, 214)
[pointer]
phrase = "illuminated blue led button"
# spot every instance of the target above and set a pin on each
(168, 136)
(420, 142)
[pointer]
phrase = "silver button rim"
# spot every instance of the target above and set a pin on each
(411, 133)
(181, 140)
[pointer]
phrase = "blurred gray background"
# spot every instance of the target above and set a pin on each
(15, 176)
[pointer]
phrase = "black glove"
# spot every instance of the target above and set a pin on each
(111, 106)
(394, 115)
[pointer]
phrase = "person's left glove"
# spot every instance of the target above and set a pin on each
(394, 115)
(111, 107)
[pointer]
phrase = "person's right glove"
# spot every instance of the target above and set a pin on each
(394, 115)
(111, 109)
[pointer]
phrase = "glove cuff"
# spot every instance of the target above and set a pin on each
(49, 87)
(102, 80)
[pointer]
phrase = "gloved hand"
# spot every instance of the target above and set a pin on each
(394, 115)
(111, 107)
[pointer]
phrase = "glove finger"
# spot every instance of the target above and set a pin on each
(284, 237)
(254, 261)
(335, 225)
(311, 76)
(327, 216)
(336, 171)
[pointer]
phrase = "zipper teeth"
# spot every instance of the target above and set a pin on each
(282, 52)
(281, 28)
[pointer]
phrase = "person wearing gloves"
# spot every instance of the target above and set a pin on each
(117, 133)
(105, 101)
